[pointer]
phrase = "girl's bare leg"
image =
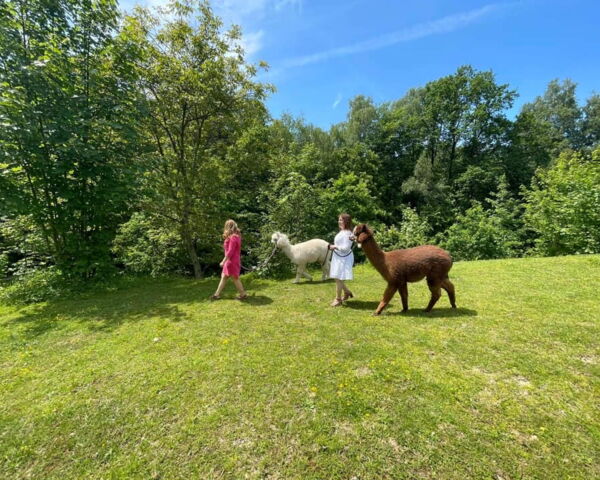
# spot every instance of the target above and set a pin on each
(239, 286)
(221, 285)
(339, 287)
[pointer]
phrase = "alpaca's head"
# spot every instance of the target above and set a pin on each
(280, 239)
(362, 233)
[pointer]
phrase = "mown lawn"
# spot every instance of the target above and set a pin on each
(154, 381)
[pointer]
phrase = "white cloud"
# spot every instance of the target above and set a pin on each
(281, 4)
(435, 27)
(248, 14)
(337, 101)
(252, 42)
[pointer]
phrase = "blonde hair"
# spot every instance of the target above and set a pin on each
(230, 229)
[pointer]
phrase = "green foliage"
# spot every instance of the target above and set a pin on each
(481, 233)
(202, 102)
(558, 108)
(413, 231)
(35, 286)
(22, 246)
(563, 205)
(145, 247)
(348, 194)
(69, 111)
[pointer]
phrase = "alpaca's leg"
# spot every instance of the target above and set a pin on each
(449, 287)
(305, 274)
(404, 296)
(387, 296)
(298, 274)
(325, 270)
(435, 289)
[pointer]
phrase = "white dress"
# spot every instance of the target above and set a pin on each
(342, 257)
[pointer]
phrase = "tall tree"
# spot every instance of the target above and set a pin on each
(69, 111)
(591, 122)
(202, 98)
(559, 108)
(464, 109)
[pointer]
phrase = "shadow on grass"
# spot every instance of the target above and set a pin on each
(258, 300)
(106, 310)
(412, 312)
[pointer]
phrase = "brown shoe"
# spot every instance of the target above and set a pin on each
(337, 302)
(214, 297)
(242, 297)
(347, 296)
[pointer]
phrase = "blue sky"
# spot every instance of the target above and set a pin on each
(324, 52)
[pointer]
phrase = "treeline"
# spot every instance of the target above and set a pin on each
(126, 141)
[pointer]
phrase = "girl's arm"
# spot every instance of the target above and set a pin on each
(344, 244)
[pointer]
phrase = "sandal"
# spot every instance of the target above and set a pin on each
(337, 302)
(242, 297)
(347, 296)
(214, 297)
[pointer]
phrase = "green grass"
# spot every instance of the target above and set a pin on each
(153, 381)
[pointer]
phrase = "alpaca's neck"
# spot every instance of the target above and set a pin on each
(376, 256)
(287, 249)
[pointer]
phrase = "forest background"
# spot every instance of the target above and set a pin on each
(127, 140)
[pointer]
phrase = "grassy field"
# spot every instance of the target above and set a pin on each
(153, 381)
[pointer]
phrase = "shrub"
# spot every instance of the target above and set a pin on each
(36, 286)
(563, 205)
(145, 247)
(413, 231)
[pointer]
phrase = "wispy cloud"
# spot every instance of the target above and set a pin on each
(422, 30)
(252, 42)
(337, 101)
(285, 3)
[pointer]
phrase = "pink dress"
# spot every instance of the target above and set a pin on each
(232, 247)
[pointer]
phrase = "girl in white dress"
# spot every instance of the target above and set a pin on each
(342, 259)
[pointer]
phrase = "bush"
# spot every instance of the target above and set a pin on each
(413, 231)
(37, 286)
(563, 205)
(145, 247)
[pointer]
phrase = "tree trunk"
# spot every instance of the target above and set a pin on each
(189, 246)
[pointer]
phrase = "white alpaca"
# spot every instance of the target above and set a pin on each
(315, 250)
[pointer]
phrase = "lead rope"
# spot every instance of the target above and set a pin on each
(263, 264)
(347, 254)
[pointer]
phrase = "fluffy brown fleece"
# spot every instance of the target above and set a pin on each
(399, 267)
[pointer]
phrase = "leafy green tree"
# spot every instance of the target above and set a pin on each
(484, 233)
(201, 98)
(68, 124)
(559, 108)
(532, 141)
(591, 122)
(413, 231)
(348, 194)
(144, 246)
(563, 205)
(468, 109)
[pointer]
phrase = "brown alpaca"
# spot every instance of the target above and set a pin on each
(399, 267)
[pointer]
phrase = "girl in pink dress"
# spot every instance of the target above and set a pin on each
(231, 262)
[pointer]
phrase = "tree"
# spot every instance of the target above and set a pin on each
(68, 124)
(591, 122)
(558, 107)
(464, 109)
(201, 99)
(563, 205)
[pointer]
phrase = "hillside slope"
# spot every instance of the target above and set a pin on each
(154, 381)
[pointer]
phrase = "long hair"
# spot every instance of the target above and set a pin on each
(230, 229)
(347, 219)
